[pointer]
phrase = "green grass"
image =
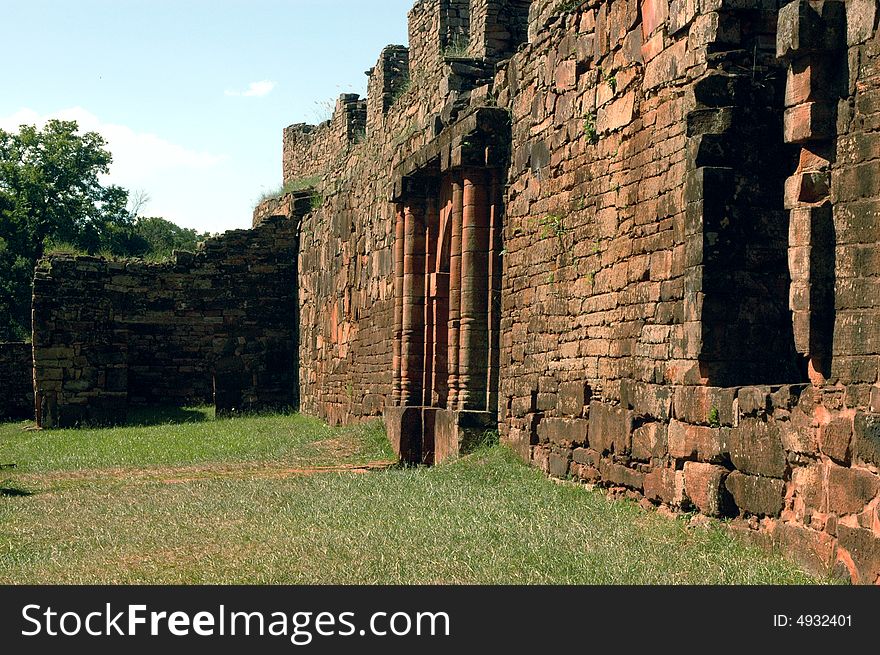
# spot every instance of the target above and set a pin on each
(213, 503)
(187, 437)
(293, 186)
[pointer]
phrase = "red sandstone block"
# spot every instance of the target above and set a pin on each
(665, 485)
(807, 188)
(564, 431)
(667, 65)
(649, 442)
(810, 79)
(703, 485)
(866, 438)
(610, 428)
(695, 404)
(811, 121)
(863, 547)
(850, 490)
(654, 14)
(566, 74)
(807, 483)
(755, 494)
(812, 548)
(558, 464)
(835, 439)
(756, 447)
(686, 441)
(573, 398)
(681, 13)
(616, 115)
(621, 475)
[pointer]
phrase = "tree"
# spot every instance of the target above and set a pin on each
(50, 192)
(161, 238)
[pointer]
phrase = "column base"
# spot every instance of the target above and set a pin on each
(428, 435)
(458, 432)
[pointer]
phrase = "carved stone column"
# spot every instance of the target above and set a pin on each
(455, 291)
(399, 238)
(413, 334)
(473, 358)
(432, 228)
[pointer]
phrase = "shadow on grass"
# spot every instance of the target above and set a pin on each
(8, 490)
(146, 416)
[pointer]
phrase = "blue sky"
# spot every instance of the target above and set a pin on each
(191, 95)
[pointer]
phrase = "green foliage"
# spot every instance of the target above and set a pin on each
(457, 48)
(401, 90)
(590, 127)
(552, 225)
(50, 191)
(52, 201)
(293, 186)
(160, 238)
(714, 418)
(567, 6)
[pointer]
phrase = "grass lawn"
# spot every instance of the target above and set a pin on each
(286, 499)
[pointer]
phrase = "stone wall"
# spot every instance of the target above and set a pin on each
(647, 339)
(218, 325)
(16, 380)
(643, 245)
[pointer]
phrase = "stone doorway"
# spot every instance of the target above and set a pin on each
(447, 262)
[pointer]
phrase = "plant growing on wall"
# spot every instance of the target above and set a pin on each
(590, 127)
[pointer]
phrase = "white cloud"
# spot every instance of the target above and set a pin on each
(136, 155)
(170, 173)
(254, 90)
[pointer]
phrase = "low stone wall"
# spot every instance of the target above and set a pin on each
(16, 381)
(795, 464)
(219, 325)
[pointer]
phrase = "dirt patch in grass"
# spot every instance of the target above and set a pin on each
(183, 474)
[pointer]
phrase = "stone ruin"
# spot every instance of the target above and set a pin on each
(640, 240)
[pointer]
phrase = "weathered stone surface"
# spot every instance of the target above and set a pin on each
(559, 464)
(814, 549)
(866, 438)
(621, 475)
(863, 547)
(704, 486)
(850, 490)
(860, 20)
(665, 485)
(564, 431)
(835, 439)
(650, 441)
(756, 448)
(16, 380)
(610, 428)
(695, 442)
(573, 398)
(753, 401)
(806, 28)
(755, 494)
(647, 400)
(700, 405)
(587, 456)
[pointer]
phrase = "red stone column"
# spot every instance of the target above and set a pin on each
(455, 290)
(473, 360)
(399, 238)
(496, 209)
(413, 334)
(432, 227)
